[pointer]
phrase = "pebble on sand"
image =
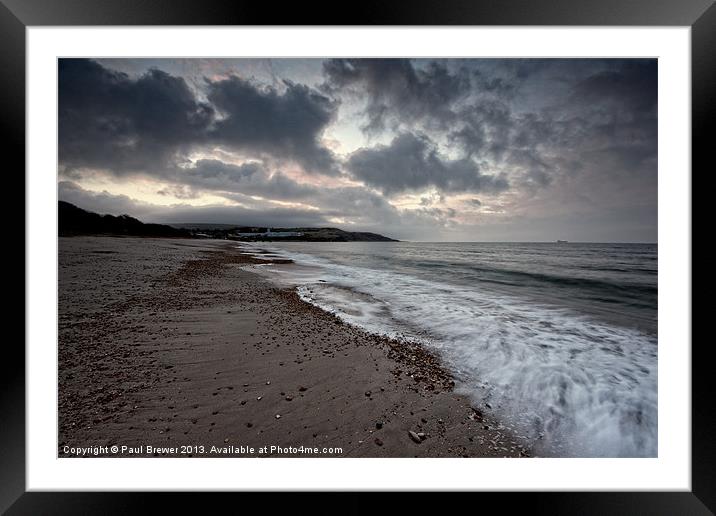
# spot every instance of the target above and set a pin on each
(415, 437)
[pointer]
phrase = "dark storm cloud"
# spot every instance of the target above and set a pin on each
(411, 162)
(472, 105)
(484, 128)
(562, 135)
(621, 104)
(534, 119)
(286, 124)
(248, 179)
(522, 143)
(111, 121)
(604, 124)
(108, 120)
(630, 86)
(395, 88)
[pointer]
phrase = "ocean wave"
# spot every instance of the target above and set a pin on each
(568, 384)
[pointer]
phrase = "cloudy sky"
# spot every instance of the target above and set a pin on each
(437, 150)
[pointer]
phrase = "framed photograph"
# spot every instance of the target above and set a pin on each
(425, 249)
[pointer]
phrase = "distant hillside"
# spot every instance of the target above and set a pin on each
(330, 235)
(273, 234)
(76, 221)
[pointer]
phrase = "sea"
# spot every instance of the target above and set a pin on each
(558, 341)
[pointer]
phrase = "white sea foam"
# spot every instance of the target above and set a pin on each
(570, 385)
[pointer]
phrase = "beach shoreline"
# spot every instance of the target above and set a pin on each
(167, 346)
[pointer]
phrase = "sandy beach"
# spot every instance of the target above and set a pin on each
(170, 347)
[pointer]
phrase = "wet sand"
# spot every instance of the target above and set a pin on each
(171, 343)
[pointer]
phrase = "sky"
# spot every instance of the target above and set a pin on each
(415, 149)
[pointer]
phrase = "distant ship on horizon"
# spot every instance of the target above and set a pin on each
(562, 241)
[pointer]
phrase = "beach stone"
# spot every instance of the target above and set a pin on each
(414, 437)
(379, 425)
(378, 441)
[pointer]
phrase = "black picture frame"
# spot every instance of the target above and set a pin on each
(17, 15)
